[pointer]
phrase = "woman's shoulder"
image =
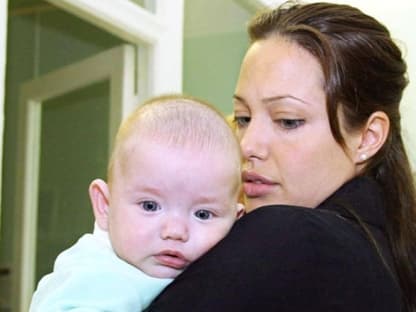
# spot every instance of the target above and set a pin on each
(296, 222)
(317, 236)
(317, 251)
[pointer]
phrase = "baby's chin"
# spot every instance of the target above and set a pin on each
(163, 272)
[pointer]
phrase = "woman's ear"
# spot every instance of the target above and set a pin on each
(373, 136)
(99, 197)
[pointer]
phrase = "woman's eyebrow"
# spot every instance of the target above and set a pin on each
(271, 99)
(239, 98)
(281, 97)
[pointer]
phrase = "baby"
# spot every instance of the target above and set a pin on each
(171, 194)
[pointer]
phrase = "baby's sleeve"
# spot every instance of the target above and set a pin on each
(90, 278)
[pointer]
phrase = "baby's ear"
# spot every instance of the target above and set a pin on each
(241, 210)
(99, 196)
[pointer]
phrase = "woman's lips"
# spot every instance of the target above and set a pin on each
(255, 185)
(172, 259)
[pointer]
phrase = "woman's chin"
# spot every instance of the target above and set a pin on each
(257, 202)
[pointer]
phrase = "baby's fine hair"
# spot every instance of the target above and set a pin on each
(179, 121)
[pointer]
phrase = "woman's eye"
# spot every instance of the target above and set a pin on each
(203, 214)
(149, 205)
(289, 124)
(242, 121)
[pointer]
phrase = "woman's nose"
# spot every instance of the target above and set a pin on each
(254, 141)
(175, 228)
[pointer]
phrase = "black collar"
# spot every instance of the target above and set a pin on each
(363, 196)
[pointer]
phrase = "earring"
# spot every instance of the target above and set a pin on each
(363, 157)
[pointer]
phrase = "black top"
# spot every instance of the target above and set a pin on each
(285, 258)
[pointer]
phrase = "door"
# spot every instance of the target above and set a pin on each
(68, 121)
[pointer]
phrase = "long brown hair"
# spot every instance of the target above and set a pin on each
(364, 72)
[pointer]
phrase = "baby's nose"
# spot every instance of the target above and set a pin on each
(175, 229)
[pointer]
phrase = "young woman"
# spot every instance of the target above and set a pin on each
(332, 221)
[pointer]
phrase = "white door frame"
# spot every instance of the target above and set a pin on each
(115, 65)
(159, 36)
(3, 50)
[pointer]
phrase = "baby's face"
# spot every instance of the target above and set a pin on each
(169, 206)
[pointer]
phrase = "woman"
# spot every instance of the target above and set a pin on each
(317, 111)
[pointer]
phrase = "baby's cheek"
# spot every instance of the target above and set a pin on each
(213, 240)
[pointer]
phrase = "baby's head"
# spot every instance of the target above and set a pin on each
(173, 185)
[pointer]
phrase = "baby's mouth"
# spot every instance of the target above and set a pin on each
(172, 259)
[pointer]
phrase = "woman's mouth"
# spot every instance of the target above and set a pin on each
(255, 185)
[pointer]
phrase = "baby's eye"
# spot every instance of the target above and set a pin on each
(242, 121)
(203, 214)
(149, 205)
(289, 124)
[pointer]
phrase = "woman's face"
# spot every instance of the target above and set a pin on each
(291, 156)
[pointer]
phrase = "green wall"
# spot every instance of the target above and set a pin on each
(211, 67)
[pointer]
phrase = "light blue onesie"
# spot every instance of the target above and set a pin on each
(90, 277)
